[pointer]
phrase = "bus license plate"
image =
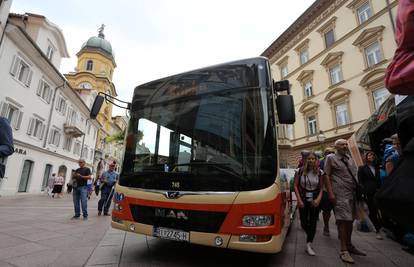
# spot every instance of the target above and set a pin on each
(171, 234)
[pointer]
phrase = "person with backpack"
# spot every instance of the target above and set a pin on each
(307, 185)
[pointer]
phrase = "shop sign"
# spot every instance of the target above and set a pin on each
(20, 151)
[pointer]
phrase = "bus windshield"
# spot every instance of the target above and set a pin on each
(207, 130)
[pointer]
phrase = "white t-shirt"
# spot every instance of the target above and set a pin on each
(310, 181)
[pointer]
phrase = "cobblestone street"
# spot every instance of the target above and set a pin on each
(37, 231)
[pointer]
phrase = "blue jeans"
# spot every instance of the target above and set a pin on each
(80, 196)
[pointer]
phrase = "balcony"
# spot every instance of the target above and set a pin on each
(72, 130)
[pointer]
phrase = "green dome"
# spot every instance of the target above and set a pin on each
(99, 43)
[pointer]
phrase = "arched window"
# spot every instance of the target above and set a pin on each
(89, 65)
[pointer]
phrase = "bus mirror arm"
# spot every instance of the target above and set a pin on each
(100, 98)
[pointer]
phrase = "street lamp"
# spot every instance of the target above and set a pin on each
(321, 139)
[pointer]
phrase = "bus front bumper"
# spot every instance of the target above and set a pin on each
(274, 245)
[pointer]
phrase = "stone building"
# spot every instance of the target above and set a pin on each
(334, 56)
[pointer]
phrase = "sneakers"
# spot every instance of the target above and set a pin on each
(99, 212)
(379, 236)
(345, 257)
(75, 217)
(309, 249)
(356, 251)
(107, 214)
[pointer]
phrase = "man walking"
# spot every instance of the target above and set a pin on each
(341, 171)
(108, 180)
(80, 190)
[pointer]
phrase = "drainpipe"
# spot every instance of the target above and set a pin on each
(51, 112)
(390, 14)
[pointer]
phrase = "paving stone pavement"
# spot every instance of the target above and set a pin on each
(37, 231)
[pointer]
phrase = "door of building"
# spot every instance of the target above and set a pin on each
(24, 178)
(46, 175)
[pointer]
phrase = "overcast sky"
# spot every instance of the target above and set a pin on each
(157, 38)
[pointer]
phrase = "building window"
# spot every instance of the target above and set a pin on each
(72, 117)
(89, 65)
(54, 137)
(289, 132)
(36, 128)
(364, 12)
(380, 95)
(67, 144)
(21, 71)
(308, 89)
(44, 91)
(304, 56)
(341, 112)
(12, 113)
(329, 38)
(50, 51)
(373, 54)
(312, 125)
(77, 148)
(61, 105)
(85, 152)
(284, 71)
(85, 85)
(335, 74)
(91, 154)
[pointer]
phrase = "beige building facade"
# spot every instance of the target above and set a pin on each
(334, 56)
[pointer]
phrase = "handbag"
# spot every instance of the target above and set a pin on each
(359, 190)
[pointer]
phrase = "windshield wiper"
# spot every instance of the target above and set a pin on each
(221, 166)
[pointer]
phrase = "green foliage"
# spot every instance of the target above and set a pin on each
(116, 137)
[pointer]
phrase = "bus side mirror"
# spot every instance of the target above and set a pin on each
(97, 104)
(285, 109)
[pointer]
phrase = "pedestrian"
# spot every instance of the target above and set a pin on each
(58, 185)
(6, 144)
(51, 184)
(89, 186)
(80, 190)
(307, 185)
(341, 171)
(108, 180)
(369, 177)
(392, 154)
(326, 205)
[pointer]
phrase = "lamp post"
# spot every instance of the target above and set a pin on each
(321, 139)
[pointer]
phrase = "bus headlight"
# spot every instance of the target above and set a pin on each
(257, 220)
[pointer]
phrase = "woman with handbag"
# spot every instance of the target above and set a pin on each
(307, 184)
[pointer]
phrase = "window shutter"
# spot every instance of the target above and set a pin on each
(14, 65)
(31, 126)
(57, 141)
(29, 78)
(49, 95)
(51, 136)
(57, 103)
(42, 131)
(39, 88)
(19, 120)
(4, 108)
(64, 107)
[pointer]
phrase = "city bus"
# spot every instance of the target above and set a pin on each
(201, 159)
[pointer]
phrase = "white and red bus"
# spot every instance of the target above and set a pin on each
(201, 159)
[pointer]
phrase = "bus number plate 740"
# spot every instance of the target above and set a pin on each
(171, 234)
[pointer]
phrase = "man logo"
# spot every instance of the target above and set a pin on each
(172, 214)
(172, 194)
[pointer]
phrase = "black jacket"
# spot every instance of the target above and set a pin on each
(371, 182)
(6, 138)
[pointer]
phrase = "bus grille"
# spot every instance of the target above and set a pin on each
(187, 220)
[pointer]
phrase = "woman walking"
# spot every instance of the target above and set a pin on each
(307, 184)
(369, 177)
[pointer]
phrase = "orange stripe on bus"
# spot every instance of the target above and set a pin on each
(233, 221)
